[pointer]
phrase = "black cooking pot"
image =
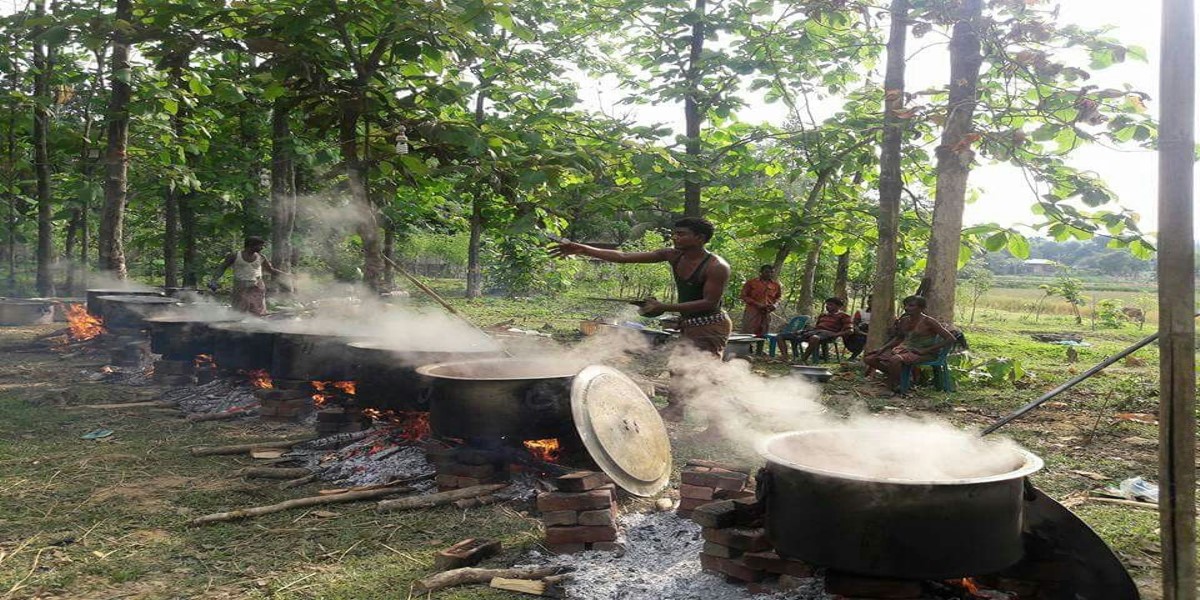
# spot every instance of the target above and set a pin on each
(516, 399)
(242, 345)
(131, 312)
(940, 528)
(93, 306)
(387, 378)
(310, 355)
(183, 337)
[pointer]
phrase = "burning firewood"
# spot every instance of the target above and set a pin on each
(473, 575)
(440, 498)
(244, 448)
(243, 513)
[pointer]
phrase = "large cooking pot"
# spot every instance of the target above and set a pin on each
(386, 373)
(828, 506)
(309, 355)
(15, 311)
(183, 336)
(243, 345)
(510, 398)
(131, 312)
(93, 306)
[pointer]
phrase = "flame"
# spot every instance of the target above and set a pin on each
(204, 361)
(412, 425)
(322, 392)
(260, 379)
(969, 585)
(81, 323)
(348, 387)
(545, 450)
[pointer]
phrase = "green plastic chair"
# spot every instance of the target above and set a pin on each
(795, 324)
(941, 372)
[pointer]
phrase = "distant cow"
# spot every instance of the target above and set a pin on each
(1135, 314)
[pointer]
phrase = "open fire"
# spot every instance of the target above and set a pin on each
(545, 450)
(260, 379)
(324, 391)
(81, 324)
(412, 425)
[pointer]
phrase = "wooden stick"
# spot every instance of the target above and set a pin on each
(537, 587)
(233, 413)
(477, 501)
(256, 511)
(696, 462)
(440, 498)
(1133, 503)
(243, 448)
(273, 472)
(299, 481)
(473, 575)
(155, 403)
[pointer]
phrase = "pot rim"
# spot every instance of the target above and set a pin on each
(135, 299)
(390, 347)
(560, 372)
(1030, 464)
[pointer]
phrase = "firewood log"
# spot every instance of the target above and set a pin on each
(273, 472)
(440, 498)
(474, 575)
(256, 511)
(548, 587)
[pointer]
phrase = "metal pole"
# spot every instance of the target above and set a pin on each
(1177, 301)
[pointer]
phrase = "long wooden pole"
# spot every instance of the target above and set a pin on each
(1177, 301)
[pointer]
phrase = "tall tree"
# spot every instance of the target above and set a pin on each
(116, 162)
(42, 100)
(891, 184)
(954, 159)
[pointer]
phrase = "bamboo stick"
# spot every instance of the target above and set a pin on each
(440, 498)
(241, 448)
(243, 513)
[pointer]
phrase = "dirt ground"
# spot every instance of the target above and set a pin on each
(105, 518)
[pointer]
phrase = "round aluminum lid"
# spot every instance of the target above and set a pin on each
(621, 430)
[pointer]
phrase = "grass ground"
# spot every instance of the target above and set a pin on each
(104, 519)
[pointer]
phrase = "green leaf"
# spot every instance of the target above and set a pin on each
(273, 91)
(198, 88)
(1018, 246)
(170, 105)
(54, 36)
(964, 255)
(996, 241)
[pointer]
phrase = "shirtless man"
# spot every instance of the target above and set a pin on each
(700, 278)
(918, 338)
(249, 291)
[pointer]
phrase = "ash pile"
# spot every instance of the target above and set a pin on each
(376, 456)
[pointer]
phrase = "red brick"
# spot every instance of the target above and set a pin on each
(773, 563)
(750, 540)
(748, 512)
(715, 549)
(548, 501)
(858, 586)
(725, 480)
(695, 491)
(600, 518)
(566, 548)
(731, 481)
(582, 481)
(465, 553)
(717, 514)
(580, 534)
(711, 465)
(555, 518)
(733, 494)
(731, 567)
(690, 504)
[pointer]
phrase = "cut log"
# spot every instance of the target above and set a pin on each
(466, 503)
(440, 498)
(466, 553)
(256, 511)
(548, 587)
(273, 473)
(473, 575)
(243, 448)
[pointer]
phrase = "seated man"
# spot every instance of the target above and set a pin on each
(918, 337)
(831, 324)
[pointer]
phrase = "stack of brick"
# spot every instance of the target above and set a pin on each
(283, 404)
(460, 467)
(703, 481)
(736, 546)
(332, 420)
(581, 515)
(174, 372)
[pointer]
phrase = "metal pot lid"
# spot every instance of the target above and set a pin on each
(621, 430)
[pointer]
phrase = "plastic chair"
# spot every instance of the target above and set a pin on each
(941, 372)
(822, 354)
(794, 325)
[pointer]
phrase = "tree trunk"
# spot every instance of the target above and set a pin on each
(11, 246)
(283, 215)
(808, 278)
(693, 115)
(112, 221)
(883, 301)
(954, 157)
(389, 250)
(41, 158)
(781, 255)
(474, 267)
(356, 177)
(840, 281)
